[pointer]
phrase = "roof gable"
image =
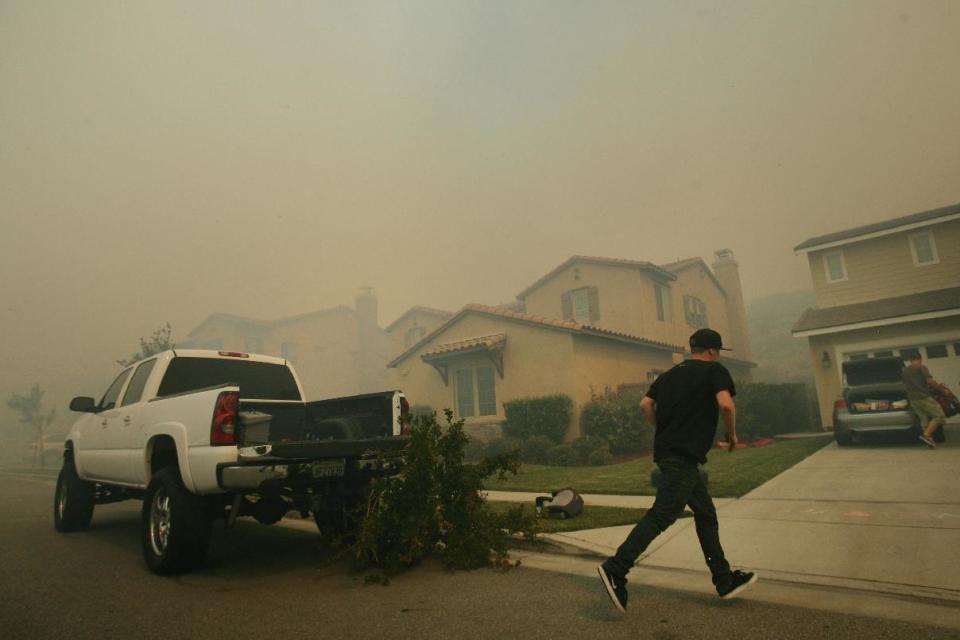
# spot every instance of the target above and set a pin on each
(893, 225)
(568, 326)
(603, 262)
(440, 313)
(683, 265)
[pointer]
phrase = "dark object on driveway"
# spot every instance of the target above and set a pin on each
(655, 476)
(564, 503)
(874, 402)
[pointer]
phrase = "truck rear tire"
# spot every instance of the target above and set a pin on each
(175, 525)
(73, 500)
(843, 439)
(939, 435)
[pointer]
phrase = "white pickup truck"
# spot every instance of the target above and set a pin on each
(199, 435)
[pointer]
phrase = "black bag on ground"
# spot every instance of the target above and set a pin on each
(564, 503)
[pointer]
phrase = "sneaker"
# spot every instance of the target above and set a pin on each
(739, 580)
(927, 440)
(616, 588)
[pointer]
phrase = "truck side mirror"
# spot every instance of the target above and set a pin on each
(83, 404)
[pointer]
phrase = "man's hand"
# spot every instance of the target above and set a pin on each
(732, 442)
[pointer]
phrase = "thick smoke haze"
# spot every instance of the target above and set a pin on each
(163, 161)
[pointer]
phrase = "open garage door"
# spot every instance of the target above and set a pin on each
(942, 358)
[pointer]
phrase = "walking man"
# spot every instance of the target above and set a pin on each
(920, 389)
(684, 404)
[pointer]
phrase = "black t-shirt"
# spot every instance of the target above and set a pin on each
(687, 409)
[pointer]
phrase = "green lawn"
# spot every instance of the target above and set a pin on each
(590, 518)
(731, 474)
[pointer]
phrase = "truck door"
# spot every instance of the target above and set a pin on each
(130, 439)
(97, 434)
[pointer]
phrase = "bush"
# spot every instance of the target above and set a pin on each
(617, 418)
(600, 457)
(563, 455)
(503, 446)
(433, 507)
(535, 450)
(586, 445)
(545, 416)
(765, 410)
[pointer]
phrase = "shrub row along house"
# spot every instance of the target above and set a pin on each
(589, 325)
(884, 289)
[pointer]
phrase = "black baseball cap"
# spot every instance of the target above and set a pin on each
(707, 339)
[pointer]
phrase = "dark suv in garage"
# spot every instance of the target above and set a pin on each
(874, 402)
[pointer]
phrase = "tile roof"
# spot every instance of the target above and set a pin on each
(496, 340)
(551, 323)
(885, 225)
(916, 303)
(437, 312)
(610, 262)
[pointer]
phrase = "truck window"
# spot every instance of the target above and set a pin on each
(257, 380)
(109, 399)
(137, 383)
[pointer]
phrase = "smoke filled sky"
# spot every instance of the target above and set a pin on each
(163, 161)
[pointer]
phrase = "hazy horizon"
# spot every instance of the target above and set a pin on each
(162, 162)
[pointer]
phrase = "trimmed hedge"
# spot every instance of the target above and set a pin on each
(544, 416)
(616, 417)
(765, 410)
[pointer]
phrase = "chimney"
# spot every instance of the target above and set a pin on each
(728, 273)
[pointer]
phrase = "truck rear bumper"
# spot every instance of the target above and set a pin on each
(310, 462)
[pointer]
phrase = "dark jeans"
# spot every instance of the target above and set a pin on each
(680, 485)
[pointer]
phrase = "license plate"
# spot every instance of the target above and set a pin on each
(327, 468)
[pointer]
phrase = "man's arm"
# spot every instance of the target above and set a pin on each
(729, 414)
(649, 408)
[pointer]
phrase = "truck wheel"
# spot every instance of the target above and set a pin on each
(174, 525)
(939, 435)
(843, 439)
(73, 501)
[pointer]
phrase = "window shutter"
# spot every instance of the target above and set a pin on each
(567, 305)
(593, 295)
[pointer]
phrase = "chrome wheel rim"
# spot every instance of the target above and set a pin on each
(62, 499)
(160, 522)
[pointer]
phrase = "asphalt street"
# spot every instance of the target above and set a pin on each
(281, 582)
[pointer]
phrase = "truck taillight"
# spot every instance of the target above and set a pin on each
(223, 428)
(404, 416)
(840, 404)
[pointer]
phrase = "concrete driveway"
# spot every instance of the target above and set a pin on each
(874, 517)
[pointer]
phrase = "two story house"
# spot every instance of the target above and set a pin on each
(337, 351)
(589, 325)
(884, 289)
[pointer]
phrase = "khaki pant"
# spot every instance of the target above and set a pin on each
(929, 410)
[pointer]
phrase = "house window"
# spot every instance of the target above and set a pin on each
(937, 351)
(923, 249)
(485, 394)
(834, 266)
(581, 305)
(464, 387)
(664, 306)
(859, 356)
(695, 312)
(413, 335)
(883, 354)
